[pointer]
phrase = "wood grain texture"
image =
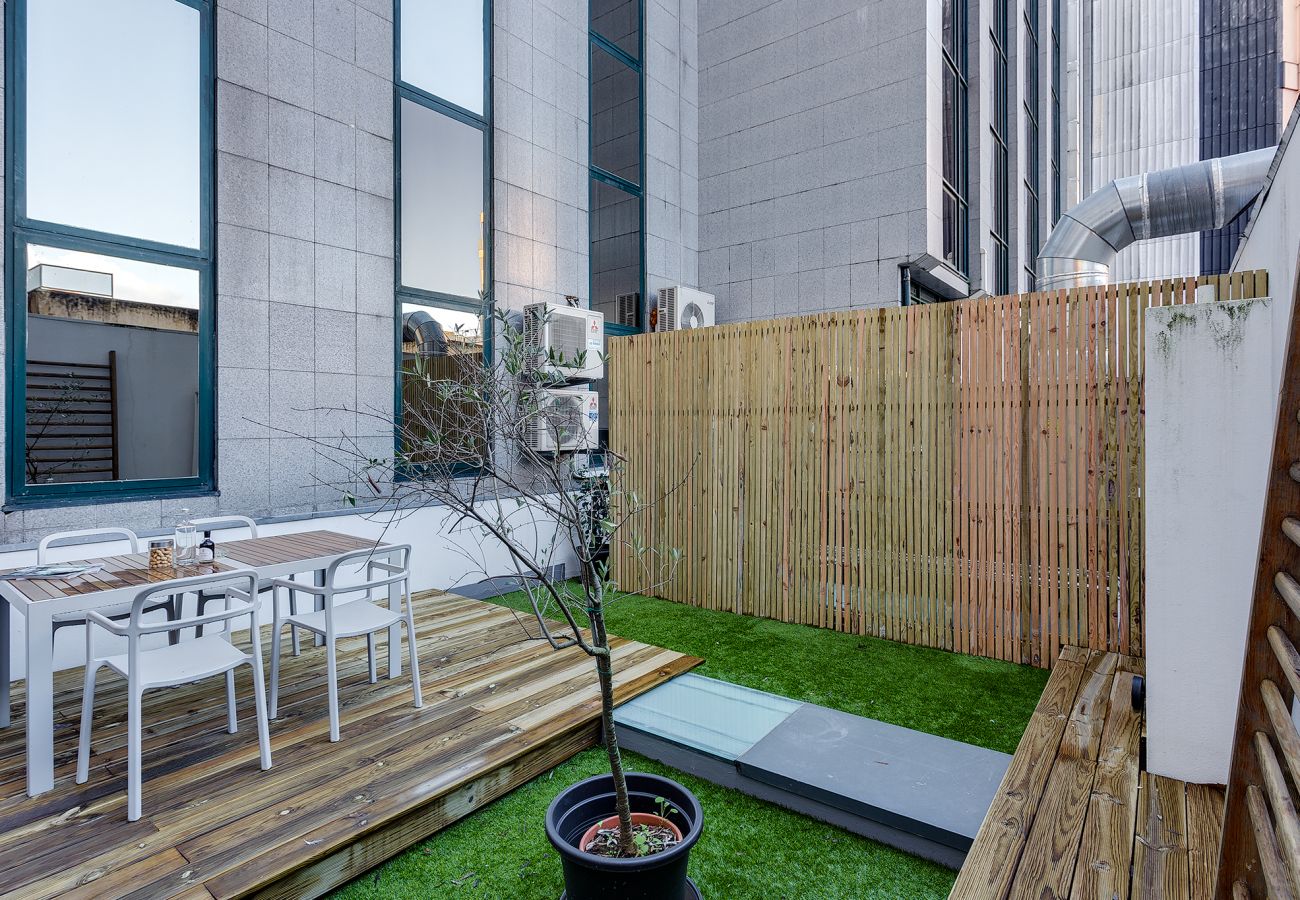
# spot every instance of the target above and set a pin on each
(1076, 817)
(499, 710)
(963, 476)
(1273, 610)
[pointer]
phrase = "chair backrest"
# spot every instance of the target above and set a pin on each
(42, 549)
(218, 523)
(239, 585)
(382, 554)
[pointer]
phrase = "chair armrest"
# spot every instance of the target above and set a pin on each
(318, 590)
(387, 567)
(106, 623)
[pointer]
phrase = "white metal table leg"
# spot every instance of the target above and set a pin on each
(5, 663)
(319, 580)
(40, 702)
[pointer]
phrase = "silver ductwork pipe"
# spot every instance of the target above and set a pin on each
(423, 330)
(1197, 197)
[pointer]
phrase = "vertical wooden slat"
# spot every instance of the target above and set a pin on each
(965, 476)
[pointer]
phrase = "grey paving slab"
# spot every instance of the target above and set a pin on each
(927, 785)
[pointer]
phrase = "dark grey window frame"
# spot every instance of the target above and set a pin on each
(402, 293)
(597, 43)
(21, 231)
(956, 183)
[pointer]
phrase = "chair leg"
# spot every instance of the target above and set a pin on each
(275, 670)
(87, 712)
(232, 720)
(410, 647)
(173, 609)
(370, 654)
(133, 753)
(263, 726)
(293, 629)
(202, 604)
(332, 672)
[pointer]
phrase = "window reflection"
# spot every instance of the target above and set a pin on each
(617, 21)
(112, 372)
(442, 49)
(615, 254)
(615, 116)
(442, 221)
(442, 359)
(113, 117)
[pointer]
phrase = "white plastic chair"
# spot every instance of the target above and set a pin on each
(62, 620)
(190, 661)
(221, 523)
(349, 619)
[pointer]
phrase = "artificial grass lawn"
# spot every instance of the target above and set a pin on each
(750, 850)
(978, 701)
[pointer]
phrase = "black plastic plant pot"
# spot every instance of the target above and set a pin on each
(591, 877)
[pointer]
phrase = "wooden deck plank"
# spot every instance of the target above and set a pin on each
(1106, 847)
(1160, 863)
(499, 709)
(1076, 817)
(993, 857)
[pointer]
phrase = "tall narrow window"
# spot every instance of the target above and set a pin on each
(1058, 128)
(617, 144)
(110, 238)
(955, 162)
(1033, 150)
(444, 176)
(998, 126)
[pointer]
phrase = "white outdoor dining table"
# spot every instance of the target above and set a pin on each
(117, 581)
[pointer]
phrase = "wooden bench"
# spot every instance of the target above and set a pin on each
(1076, 816)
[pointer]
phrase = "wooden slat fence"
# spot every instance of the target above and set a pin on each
(965, 475)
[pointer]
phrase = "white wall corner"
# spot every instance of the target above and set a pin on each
(1211, 376)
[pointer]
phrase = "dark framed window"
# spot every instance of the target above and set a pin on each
(617, 165)
(1058, 127)
(443, 170)
(998, 127)
(956, 207)
(1033, 148)
(109, 249)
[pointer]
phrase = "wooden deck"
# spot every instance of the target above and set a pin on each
(1076, 817)
(499, 709)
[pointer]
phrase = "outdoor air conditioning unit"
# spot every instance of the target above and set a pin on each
(627, 306)
(567, 419)
(683, 307)
(564, 342)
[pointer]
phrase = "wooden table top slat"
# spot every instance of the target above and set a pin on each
(130, 570)
(284, 549)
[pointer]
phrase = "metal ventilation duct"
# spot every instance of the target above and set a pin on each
(1197, 197)
(423, 330)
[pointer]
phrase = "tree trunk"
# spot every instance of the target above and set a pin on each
(605, 671)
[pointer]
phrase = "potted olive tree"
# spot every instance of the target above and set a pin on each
(467, 441)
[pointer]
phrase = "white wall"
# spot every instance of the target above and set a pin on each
(1211, 371)
(438, 560)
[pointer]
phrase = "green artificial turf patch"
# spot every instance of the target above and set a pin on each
(978, 701)
(750, 850)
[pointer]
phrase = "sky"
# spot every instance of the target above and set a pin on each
(447, 58)
(113, 117)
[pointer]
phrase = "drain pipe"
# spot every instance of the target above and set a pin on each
(1197, 197)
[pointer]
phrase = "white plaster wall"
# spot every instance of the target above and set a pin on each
(439, 559)
(1210, 376)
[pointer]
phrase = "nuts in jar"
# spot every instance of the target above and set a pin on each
(162, 554)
